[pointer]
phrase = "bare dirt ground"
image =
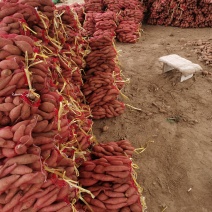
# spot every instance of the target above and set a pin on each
(174, 171)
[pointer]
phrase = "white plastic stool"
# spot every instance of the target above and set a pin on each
(186, 67)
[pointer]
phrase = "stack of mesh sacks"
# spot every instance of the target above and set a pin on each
(110, 176)
(184, 13)
(102, 80)
(44, 125)
(129, 15)
(129, 18)
(91, 8)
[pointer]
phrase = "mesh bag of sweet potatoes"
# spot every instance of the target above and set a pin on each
(102, 79)
(110, 176)
(36, 159)
(40, 146)
(182, 13)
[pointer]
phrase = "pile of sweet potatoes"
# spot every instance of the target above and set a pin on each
(44, 126)
(110, 179)
(121, 17)
(93, 6)
(178, 13)
(45, 6)
(129, 19)
(101, 74)
(203, 50)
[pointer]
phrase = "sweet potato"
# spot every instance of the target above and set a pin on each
(24, 179)
(47, 183)
(88, 182)
(8, 99)
(114, 194)
(54, 207)
(6, 144)
(89, 167)
(6, 182)
(40, 126)
(16, 126)
(85, 174)
(13, 202)
(16, 78)
(114, 168)
(102, 196)
(115, 206)
(123, 174)
(52, 158)
(21, 170)
(99, 169)
(50, 146)
(5, 41)
(22, 159)
(6, 133)
(19, 133)
(132, 199)
(104, 177)
(24, 47)
(8, 64)
(15, 112)
(25, 111)
(65, 209)
(14, 50)
(63, 192)
(40, 178)
(4, 54)
(45, 115)
(46, 200)
(8, 152)
(15, 25)
(10, 194)
(125, 209)
(7, 170)
(30, 127)
(130, 191)
(42, 140)
(8, 90)
(34, 150)
(27, 205)
(24, 38)
(97, 203)
(26, 140)
(136, 207)
(33, 189)
(20, 149)
(4, 74)
(47, 107)
(122, 188)
(38, 72)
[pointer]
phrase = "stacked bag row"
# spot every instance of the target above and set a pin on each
(110, 178)
(128, 16)
(44, 126)
(102, 80)
(28, 140)
(178, 13)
